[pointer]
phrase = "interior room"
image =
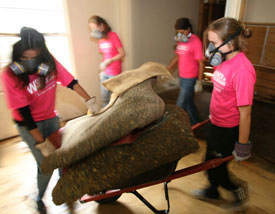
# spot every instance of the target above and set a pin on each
(146, 30)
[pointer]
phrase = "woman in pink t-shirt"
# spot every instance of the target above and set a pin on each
(189, 58)
(112, 50)
(231, 102)
(29, 84)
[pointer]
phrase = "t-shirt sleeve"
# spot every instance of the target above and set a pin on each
(244, 82)
(198, 55)
(63, 75)
(116, 41)
(15, 95)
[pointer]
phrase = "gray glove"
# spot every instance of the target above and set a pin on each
(92, 105)
(198, 86)
(242, 151)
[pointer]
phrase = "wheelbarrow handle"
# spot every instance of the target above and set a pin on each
(200, 167)
(197, 125)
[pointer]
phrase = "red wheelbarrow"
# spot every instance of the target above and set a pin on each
(112, 195)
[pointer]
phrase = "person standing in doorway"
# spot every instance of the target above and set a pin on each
(189, 59)
(29, 84)
(231, 103)
(112, 50)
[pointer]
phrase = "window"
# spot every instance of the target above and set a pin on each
(46, 16)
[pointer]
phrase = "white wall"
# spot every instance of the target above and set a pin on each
(85, 55)
(262, 11)
(232, 8)
(145, 27)
(7, 128)
(153, 27)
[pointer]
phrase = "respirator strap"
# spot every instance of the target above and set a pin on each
(226, 41)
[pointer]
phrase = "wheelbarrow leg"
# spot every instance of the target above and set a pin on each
(150, 206)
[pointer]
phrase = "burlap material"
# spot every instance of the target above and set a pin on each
(128, 79)
(114, 166)
(135, 108)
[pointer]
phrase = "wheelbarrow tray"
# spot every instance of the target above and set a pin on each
(143, 180)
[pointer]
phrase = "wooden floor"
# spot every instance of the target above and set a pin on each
(18, 188)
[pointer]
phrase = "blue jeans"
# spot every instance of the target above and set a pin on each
(46, 127)
(105, 93)
(185, 99)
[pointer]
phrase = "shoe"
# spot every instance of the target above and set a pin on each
(241, 198)
(41, 207)
(210, 193)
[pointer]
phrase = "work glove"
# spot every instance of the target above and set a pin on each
(51, 143)
(242, 151)
(104, 64)
(198, 86)
(92, 106)
(46, 148)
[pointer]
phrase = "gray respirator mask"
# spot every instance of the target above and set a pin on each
(30, 66)
(96, 34)
(180, 37)
(216, 57)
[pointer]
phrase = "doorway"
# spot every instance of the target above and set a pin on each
(210, 10)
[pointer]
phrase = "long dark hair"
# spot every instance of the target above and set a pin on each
(99, 20)
(32, 39)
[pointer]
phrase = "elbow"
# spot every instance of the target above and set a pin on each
(123, 55)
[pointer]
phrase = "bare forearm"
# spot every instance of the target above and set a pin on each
(119, 56)
(201, 69)
(244, 126)
(173, 63)
(79, 90)
(37, 136)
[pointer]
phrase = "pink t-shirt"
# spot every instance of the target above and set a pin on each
(108, 47)
(188, 56)
(41, 102)
(233, 82)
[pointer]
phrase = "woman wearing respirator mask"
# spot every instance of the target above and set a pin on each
(29, 85)
(230, 109)
(112, 50)
(189, 58)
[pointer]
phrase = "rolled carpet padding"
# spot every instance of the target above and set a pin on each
(114, 166)
(82, 137)
(133, 104)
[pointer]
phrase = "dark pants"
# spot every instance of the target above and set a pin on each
(220, 143)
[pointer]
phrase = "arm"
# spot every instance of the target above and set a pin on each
(91, 104)
(119, 56)
(173, 63)
(201, 69)
(37, 136)
(242, 150)
(245, 122)
(80, 91)
(30, 124)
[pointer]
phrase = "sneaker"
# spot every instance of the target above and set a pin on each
(241, 197)
(41, 207)
(210, 193)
